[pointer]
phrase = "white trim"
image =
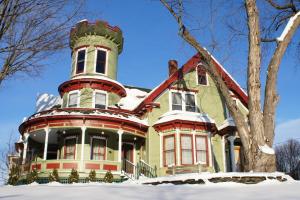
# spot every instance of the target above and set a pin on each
(183, 93)
(70, 137)
(224, 154)
(177, 138)
(194, 146)
(106, 59)
(161, 149)
(210, 157)
(85, 60)
(197, 83)
(78, 98)
(94, 96)
(91, 145)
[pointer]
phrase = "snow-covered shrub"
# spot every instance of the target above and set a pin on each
(54, 176)
(74, 176)
(108, 178)
(14, 175)
(92, 176)
(32, 176)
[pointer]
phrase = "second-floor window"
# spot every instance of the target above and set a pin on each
(183, 101)
(73, 100)
(101, 57)
(80, 61)
(100, 100)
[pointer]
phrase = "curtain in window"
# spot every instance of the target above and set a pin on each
(201, 149)
(80, 61)
(169, 151)
(100, 100)
(98, 149)
(176, 101)
(73, 100)
(70, 148)
(101, 61)
(186, 150)
(190, 102)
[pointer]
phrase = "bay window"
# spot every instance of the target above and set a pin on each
(169, 150)
(186, 146)
(201, 149)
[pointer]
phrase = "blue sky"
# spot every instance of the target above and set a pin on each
(151, 40)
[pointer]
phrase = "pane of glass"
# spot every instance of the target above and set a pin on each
(190, 103)
(169, 158)
(201, 156)
(100, 61)
(169, 143)
(187, 157)
(80, 61)
(186, 142)
(100, 100)
(201, 143)
(73, 100)
(176, 101)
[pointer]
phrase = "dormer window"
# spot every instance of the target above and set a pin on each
(201, 76)
(184, 101)
(100, 100)
(73, 101)
(80, 61)
(101, 59)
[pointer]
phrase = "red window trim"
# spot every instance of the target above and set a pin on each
(105, 145)
(164, 142)
(192, 143)
(206, 148)
(65, 148)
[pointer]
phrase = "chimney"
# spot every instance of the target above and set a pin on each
(173, 67)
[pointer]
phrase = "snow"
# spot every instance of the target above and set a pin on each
(46, 102)
(133, 99)
(182, 115)
(266, 149)
(228, 122)
(266, 190)
(288, 27)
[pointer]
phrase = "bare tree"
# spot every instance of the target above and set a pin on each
(288, 157)
(256, 130)
(31, 31)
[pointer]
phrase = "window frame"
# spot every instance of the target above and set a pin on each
(75, 147)
(85, 60)
(94, 98)
(164, 151)
(78, 98)
(95, 59)
(197, 77)
(192, 148)
(206, 149)
(91, 146)
(183, 99)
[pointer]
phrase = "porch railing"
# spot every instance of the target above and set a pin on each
(129, 169)
(145, 169)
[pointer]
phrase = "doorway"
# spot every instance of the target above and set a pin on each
(127, 157)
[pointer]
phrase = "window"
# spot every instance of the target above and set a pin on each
(100, 61)
(169, 150)
(73, 100)
(201, 74)
(70, 148)
(186, 150)
(201, 149)
(98, 148)
(176, 101)
(183, 101)
(80, 62)
(100, 100)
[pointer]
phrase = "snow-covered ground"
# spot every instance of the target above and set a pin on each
(269, 189)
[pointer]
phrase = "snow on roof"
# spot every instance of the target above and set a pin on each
(94, 113)
(100, 78)
(182, 115)
(227, 122)
(46, 102)
(133, 99)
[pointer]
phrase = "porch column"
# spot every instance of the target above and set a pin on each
(120, 132)
(232, 156)
(178, 147)
(47, 130)
(83, 129)
(194, 146)
(25, 142)
(224, 153)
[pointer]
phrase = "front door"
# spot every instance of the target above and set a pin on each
(127, 157)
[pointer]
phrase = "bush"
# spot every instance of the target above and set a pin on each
(92, 176)
(32, 176)
(14, 175)
(74, 176)
(108, 178)
(54, 176)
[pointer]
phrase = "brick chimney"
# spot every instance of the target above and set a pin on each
(173, 67)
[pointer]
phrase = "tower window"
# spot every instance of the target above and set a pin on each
(101, 61)
(100, 100)
(201, 75)
(80, 62)
(73, 101)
